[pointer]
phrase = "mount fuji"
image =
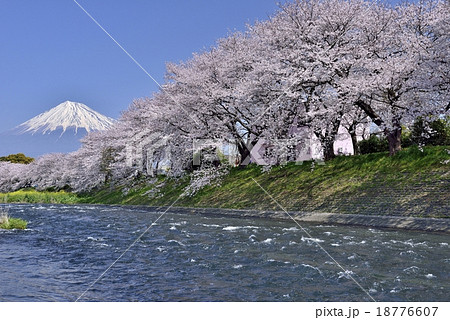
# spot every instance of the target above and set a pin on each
(56, 130)
(66, 115)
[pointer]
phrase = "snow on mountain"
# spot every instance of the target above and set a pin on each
(58, 130)
(66, 115)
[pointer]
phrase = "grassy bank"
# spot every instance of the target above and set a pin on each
(33, 196)
(412, 183)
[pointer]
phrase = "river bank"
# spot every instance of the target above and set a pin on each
(388, 222)
(414, 183)
(347, 190)
(440, 225)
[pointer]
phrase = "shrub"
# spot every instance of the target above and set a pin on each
(431, 132)
(373, 144)
(406, 138)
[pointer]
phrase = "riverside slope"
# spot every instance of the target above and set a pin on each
(413, 183)
(410, 190)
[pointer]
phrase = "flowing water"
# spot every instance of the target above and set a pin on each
(190, 257)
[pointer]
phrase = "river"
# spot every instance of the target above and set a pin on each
(193, 257)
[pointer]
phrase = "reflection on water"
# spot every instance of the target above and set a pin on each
(199, 258)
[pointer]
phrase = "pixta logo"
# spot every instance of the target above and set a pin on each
(144, 150)
(263, 152)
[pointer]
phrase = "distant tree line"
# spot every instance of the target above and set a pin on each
(17, 158)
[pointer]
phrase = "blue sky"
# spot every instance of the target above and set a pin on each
(51, 51)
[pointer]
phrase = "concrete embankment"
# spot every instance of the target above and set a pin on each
(374, 221)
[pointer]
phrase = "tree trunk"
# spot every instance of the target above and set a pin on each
(354, 142)
(394, 137)
(328, 150)
(244, 152)
(327, 139)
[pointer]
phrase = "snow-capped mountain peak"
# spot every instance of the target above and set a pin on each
(67, 115)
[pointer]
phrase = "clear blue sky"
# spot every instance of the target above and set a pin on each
(51, 51)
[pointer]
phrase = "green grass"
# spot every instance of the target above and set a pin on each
(14, 223)
(412, 183)
(11, 223)
(33, 196)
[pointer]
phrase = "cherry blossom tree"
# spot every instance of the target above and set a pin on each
(313, 68)
(311, 51)
(401, 49)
